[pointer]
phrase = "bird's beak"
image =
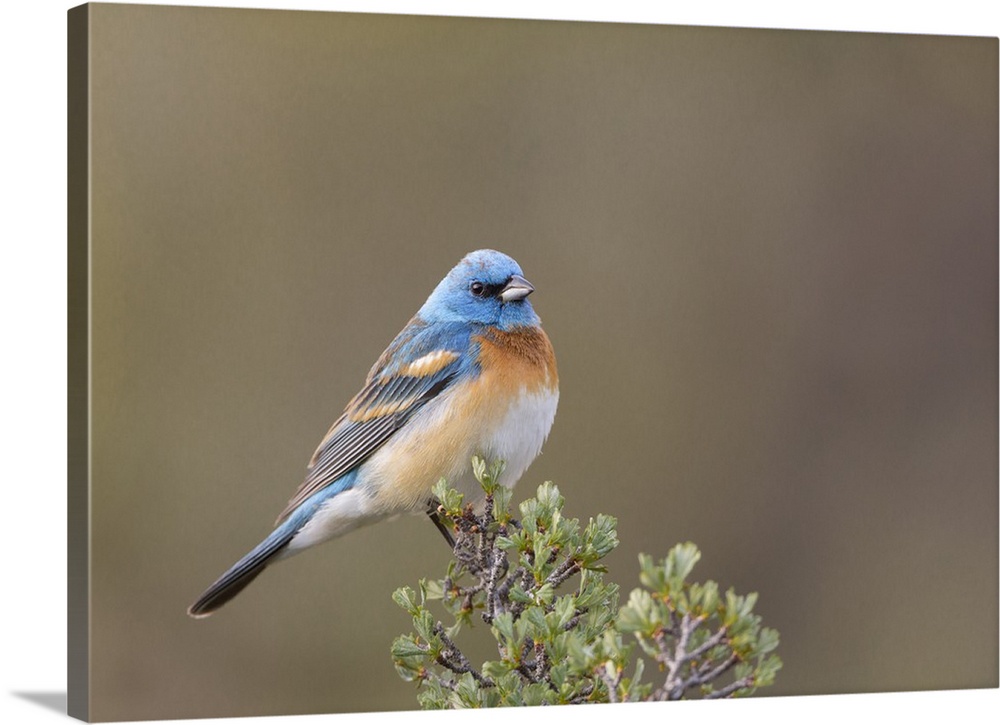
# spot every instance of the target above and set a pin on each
(517, 288)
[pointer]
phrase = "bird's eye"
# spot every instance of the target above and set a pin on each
(477, 288)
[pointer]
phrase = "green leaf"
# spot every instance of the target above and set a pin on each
(467, 690)
(529, 516)
(564, 610)
(639, 614)
(406, 598)
(449, 498)
(508, 684)
(535, 617)
(488, 697)
(407, 674)
(559, 675)
(766, 671)
(404, 647)
(517, 594)
(478, 468)
(600, 537)
(549, 498)
(432, 697)
(497, 467)
(544, 594)
(767, 640)
(634, 683)
(542, 553)
(709, 597)
(537, 694)
(501, 503)
(504, 626)
(433, 589)
(594, 592)
(577, 655)
(650, 574)
(495, 670)
(423, 622)
(681, 561)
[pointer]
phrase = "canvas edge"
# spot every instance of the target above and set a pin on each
(78, 363)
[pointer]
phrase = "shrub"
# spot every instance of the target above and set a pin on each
(577, 645)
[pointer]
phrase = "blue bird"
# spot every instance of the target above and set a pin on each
(472, 373)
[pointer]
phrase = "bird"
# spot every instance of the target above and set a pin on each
(471, 374)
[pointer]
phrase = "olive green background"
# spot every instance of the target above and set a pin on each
(767, 261)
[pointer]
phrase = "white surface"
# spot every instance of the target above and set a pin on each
(33, 301)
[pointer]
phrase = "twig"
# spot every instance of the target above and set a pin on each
(562, 572)
(707, 675)
(583, 695)
(731, 689)
(611, 683)
(461, 663)
(708, 644)
(541, 663)
(431, 675)
(673, 685)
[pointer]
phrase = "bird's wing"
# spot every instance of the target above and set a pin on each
(419, 365)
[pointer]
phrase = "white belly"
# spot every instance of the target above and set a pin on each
(440, 444)
(516, 439)
(442, 439)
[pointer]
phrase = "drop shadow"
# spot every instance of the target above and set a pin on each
(49, 700)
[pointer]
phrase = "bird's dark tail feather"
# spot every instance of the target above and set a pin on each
(241, 573)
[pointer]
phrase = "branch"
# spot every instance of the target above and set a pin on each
(461, 663)
(709, 643)
(673, 685)
(731, 689)
(563, 572)
(611, 683)
(701, 677)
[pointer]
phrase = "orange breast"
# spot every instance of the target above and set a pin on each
(519, 359)
(463, 421)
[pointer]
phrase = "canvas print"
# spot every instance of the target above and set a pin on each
(436, 362)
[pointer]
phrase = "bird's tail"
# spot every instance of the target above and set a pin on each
(242, 572)
(276, 546)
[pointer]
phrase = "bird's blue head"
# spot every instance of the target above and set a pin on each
(486, 287)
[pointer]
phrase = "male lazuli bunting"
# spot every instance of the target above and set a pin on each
(472, 373)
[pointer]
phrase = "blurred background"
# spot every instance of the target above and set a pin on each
(767, 261)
